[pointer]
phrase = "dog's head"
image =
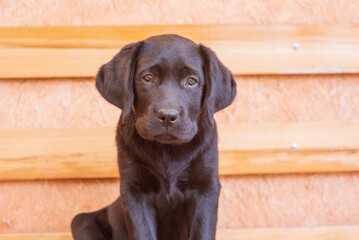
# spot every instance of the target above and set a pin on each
(167, 84)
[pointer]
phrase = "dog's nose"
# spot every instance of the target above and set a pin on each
(167, 117)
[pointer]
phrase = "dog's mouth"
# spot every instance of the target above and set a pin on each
(167, 138)
(179, 134)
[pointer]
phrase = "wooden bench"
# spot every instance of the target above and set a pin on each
(324, 233)
(258, 148)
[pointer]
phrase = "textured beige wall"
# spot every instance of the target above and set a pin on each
(127, 12)
(76, 103)
(246, 201)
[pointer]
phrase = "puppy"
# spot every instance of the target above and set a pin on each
(168, 89)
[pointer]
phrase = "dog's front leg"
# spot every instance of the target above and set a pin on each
(139, 214)
(201, 211)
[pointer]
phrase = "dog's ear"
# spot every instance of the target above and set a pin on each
(114, 80)
(220, 84)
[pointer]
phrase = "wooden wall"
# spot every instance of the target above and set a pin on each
(247, 201)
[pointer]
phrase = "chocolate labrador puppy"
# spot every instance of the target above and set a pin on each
(168, 89)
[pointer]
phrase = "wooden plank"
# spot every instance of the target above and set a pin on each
(244, 149)
(48, 52)
(288, 161)
(58, 153)
(37, 236)
(320, 233)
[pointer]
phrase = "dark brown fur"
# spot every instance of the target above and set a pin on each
(166, 141)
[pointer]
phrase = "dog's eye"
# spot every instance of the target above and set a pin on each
(147, 78)
(192, 81)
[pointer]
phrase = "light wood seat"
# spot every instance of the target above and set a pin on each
(322, 233)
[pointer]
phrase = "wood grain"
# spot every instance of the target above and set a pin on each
(48, 52)
(323, 233)
(244, 149)
(37, 236)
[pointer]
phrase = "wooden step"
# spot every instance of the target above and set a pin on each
(52, 52)
(258, 148)
(322, 233)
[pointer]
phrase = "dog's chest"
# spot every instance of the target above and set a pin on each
(170, 205)
(173, 182)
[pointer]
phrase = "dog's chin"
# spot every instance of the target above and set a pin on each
(158, 133)
(167, 138)
(164, 137)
